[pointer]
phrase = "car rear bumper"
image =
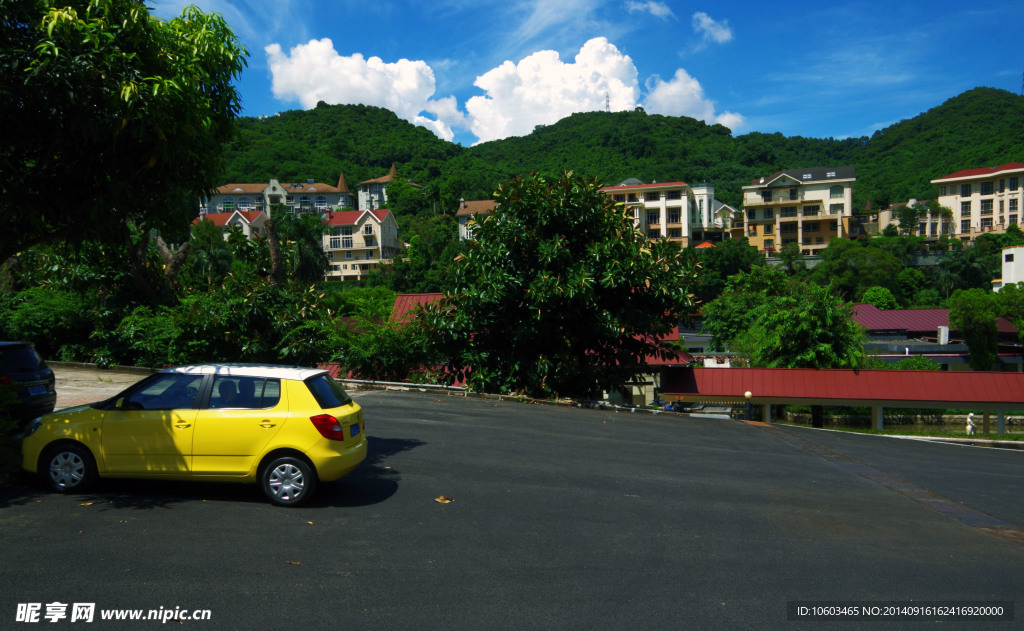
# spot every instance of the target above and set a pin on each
(336, 459)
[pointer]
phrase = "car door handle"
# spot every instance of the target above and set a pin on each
(267, 424)
(183, 425)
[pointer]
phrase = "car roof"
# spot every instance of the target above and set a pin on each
(297, 373)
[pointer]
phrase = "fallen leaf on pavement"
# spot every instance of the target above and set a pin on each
(441, 499)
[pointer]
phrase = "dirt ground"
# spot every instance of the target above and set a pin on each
(78, 384)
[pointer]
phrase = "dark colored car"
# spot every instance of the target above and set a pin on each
(23, 370)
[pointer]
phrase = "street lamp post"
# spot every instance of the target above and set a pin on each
(747, 395)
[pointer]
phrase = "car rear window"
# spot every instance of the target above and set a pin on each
(21, 359)
(327, 392)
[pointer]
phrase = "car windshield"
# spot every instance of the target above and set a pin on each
(328, 392)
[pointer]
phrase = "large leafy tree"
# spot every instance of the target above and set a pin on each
(973, 313)
(559, 294)
(112, 117)
(775, 322)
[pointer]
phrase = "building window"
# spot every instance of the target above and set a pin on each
(675, 233)
(807, 241)
(819, 240)
(674, 195)
(965, 208)
(348, 254)
(1009, 258)
(320, 201)
(766, 196)
(769, 244)
(942, 190)
(619, 198)
(228, 204)
(830, 174)
(986, 222)
(787, 211)
(835, 192)
(335, 243)
(833, 226)
(807, 176)
(651, 196)
(769, 228)
(835, 209)
(811, 211)
(965, 190)
(986, 206)
(653, 217)
(631, 197)
(812, 226)
(965, 225)
(674, 217)
(788, 228)
(346, 242)
(1013, 205)
(1014, 183)
(1012, 219)
(986, 188)
(769, 213)
(794, 194)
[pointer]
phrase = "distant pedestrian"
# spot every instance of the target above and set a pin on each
(970, 424)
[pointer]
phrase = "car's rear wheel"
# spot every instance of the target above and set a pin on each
(69, 468)
(288, 481)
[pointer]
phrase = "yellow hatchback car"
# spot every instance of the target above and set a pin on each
(283, 427)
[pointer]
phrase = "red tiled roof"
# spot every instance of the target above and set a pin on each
(352, 217)
(221, 219)
(706, 244)
(406, 304)
(912, 320)
(983, 171)
(843, 387)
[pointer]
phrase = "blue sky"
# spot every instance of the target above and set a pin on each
(483, 70)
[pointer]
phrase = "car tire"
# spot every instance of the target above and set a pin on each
(288, 481)
(68, 468)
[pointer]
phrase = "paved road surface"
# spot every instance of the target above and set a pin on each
(561, 519)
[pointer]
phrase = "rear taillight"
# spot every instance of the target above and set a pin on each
(328, 426)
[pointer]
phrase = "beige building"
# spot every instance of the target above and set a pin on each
(360, 241)
(299, 197)
(932, 223)
(1013, 267)
(675, 210)
(807, 207)
(983, 200)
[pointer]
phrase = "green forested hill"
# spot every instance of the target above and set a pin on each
(981, 127)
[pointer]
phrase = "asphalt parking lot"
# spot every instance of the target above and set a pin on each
(560, 518)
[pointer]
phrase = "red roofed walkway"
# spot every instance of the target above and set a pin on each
(998, 392)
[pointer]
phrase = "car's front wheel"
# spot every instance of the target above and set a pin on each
(288, 481)
(69, 468)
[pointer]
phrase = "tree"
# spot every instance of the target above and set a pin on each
(559, 293)
(304, 235)
(880, 297)
(727, 258)
(973, 313)
(111, 117)
(853, 266)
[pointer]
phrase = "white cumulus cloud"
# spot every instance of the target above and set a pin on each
(710, 30)
(542, 89)
(684, 96)
(314, 72)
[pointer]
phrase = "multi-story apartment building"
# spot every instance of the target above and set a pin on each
(807, 207)
(983, 200)
(674, 210)
(360, 241)
(932, 222)
(299, 197)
